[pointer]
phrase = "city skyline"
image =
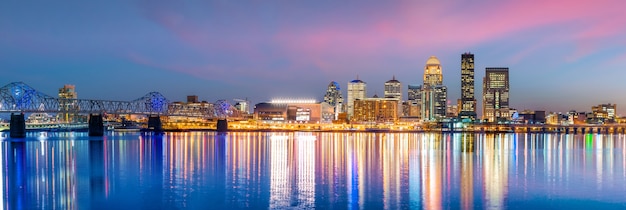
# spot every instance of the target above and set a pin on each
(560, 58)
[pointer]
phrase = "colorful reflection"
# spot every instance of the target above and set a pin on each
(302, 170)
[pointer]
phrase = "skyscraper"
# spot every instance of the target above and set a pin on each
(393, 89)
(467, 105)
(66, 104)
(414, 101)
(434, 93)
(334, 98)
(496, 95)
(356, 90)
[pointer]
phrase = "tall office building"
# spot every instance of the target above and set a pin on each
(496, 95)
(334, 98)
(467, 104)
(434, 93)
(356, 90)
(414, 101)
(393, 89)
(68, 107)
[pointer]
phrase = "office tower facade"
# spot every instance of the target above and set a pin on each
(334, 98)
(356, 90)
(434, 93)
(496, 95)
(393, 89)
(604, 113)
(467, 104)
(375, 110)
(68, 108)
(414, 101)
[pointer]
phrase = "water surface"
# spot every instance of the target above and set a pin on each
(299, 170)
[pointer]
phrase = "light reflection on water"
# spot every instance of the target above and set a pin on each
(313, 170)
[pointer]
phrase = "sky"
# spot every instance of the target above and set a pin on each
(562, 55)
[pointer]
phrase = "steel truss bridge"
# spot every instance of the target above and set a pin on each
(18, 97)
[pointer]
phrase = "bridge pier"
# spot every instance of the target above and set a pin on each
(17, 126)
(222, 125)
(96, 125)
(155, 124)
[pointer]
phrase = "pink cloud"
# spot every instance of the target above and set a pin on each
(331, 41)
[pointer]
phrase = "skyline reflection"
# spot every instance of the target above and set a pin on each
(313, 170)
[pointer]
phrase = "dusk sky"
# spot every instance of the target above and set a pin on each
(562, 55)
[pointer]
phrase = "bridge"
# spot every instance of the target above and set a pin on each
(18, 97)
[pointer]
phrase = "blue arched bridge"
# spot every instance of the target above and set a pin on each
(18, 97)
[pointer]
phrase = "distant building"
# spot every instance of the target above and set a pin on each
(467, 104)
(604, 113)
(496, 95)
(243, 106)
(190, 111)
(334, 98)
(68, 108)
(452, 111)
(356, 90)
(533, 117)
(413, 104)
(192, 99)
(434, 93)
(393, 89)
(294, 111)
(378, 110)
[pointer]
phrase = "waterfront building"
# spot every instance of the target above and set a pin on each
(393, 89)
(533, 117)
(467, 103)
(243, 105)
(356, 90)
(433, 93)
(375, 110)
(294, 111)
(604, 112)
(68, 107)
(414, 101)
(496, 95)
(452, 111)
(190, 111)
(334, 98)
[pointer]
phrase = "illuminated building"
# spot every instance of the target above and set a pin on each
(243, 106)
(434, 93)
(452, 111)
(356, 90)
(393, 89)
(414, 102)
(69, 108)
(190, 111)
(375, 110)
(334, 98)
(467, 104)
(496, 95)
(533, 117)
(304, 111)
(604, 111)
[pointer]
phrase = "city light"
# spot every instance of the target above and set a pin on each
(292, 101)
